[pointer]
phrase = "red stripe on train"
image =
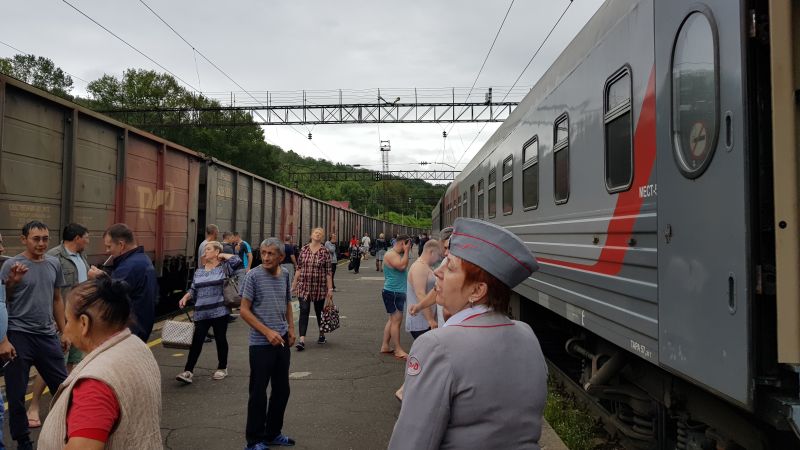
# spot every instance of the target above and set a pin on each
(629, 203)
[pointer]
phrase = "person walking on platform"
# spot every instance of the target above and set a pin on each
(266, 308)
(131, 265)
(289, 256)
(481, 380)
(70, 254)
(209, 309)
(112, 400)
(394, 294)
(330, 245)
(355, 258)
(313, 283)
(365, 245)
(380, 247)
(33, 282)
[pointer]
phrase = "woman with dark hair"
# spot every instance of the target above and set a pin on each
(209, 308)
(480, 381)
(112, 399)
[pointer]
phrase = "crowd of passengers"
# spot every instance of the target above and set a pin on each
(85, 329)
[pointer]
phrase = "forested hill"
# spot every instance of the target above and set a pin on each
(233, 138)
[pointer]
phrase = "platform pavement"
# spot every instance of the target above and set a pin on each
(342, 393)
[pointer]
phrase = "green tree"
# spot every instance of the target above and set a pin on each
(230, 136)
(38, 71)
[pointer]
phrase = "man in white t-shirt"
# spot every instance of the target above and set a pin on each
(365, 241)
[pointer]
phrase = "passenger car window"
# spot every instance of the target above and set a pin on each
(530, 173)
(472, 201)
(508, 188)
(561, 159)
(480, 198)
(618, 131)
(492, 194)
(695, 90)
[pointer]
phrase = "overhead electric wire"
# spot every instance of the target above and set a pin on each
(520, 75)
(220, 70)
(31, 54)
(131, 46)
(486, 58)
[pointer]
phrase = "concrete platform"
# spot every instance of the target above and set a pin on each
(342, 393)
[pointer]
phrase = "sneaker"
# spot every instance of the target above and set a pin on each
(300, 346)
(282, 440)
(185, 377)
(28, 444)
(220, 374)
(321, 340)
(257, 446)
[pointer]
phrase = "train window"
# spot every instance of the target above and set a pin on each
(492, 194)
(561, 159)
(472, 201)
(695, 90)
(480, 198)
(530, 173)
(508, 188)
(618, 131)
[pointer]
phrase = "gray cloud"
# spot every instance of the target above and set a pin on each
(313, 45)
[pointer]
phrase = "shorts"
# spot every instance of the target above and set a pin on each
(393, 301)
(74, 356)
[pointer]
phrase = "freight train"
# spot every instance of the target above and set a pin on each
(62, 163)
(653, 170)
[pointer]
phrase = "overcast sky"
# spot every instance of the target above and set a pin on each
(312, 45)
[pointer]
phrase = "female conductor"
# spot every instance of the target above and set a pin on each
(480, 381)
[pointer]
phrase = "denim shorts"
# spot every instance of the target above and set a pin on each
(393, 301)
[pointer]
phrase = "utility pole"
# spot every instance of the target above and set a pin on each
(386, 147)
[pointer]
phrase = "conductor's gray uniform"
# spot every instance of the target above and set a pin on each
(480, 383)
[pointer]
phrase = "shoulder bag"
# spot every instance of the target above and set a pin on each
(177, 333)
(230, 290)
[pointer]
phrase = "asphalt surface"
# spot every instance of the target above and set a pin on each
(342, 393)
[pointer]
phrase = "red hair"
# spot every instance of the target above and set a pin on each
(497, 293)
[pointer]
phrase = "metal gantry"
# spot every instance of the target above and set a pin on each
(308, 110)
(430, 175)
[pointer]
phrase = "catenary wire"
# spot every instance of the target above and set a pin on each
(31, 54)
(220, 70)
(131, 46)
(520, 75)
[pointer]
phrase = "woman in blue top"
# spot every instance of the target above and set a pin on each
(395, 272)
(209, 308)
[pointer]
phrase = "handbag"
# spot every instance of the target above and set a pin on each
(330, 319)
(177, 334)
(230, 291)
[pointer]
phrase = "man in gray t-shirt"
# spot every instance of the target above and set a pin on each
(33, 282)
(266, 308)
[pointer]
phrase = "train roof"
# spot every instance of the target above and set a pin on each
(611, 12)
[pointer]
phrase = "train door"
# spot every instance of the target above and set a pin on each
(703, 198)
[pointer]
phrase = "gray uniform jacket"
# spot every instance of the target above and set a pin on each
(67, 267)
(478, 384)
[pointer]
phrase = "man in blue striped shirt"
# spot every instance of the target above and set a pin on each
(265, 307)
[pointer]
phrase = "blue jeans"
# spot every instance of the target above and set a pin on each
(2, 419)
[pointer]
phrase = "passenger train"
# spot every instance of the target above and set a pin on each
(653, 170)
(62, 163)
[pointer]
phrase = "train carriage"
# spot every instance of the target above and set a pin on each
(62, 163)
(645, 173)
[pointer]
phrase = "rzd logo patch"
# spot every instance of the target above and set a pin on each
(413, 367)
